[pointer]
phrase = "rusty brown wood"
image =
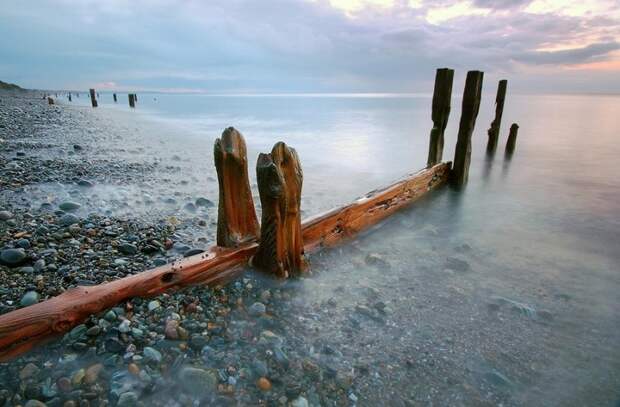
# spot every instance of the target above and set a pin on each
(236, 216)
(280, 178)
(23, 329)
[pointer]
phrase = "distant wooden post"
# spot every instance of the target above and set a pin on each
(132, 100)
(471, 104)
(512, 139)
(236, 217)
(50, 101)
(441, 111)
(69, 97)
(114, 96)
(93, 99)
(493, 131)
(280, 178)
(135, 96)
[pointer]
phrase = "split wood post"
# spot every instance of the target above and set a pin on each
(470, 106)
(93, 99)
(236, 216)
(441, 111)
(493, 131)
(280, 178)
(114, 97)
(132, 101)
(512, 139)
(50, 101)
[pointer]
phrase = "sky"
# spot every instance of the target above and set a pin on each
(292, 46)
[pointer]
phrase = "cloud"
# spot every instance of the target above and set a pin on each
(295, 45)
(570, 56)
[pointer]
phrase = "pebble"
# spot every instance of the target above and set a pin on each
(64, 384)
(264, 384)
(12, 257)
(152, 354)
(128, 249)
(92, 373)
(85, 183)
(300, 402)
(69, 206)
(192, 252)
(28, 371)
(153, 305)
(30, 298)
(127, 399)
(257, 309)
(204, 202)
(124, 326)
(68, 219)
(5, 215)
(197, 382)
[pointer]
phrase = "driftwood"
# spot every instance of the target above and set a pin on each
(279, 176)
(493, 131)
(93, 98)
(512, 139)
(441, 112)
(25, 328)
(236, 217)
(471, 104)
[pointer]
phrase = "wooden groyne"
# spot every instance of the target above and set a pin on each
(280, 245)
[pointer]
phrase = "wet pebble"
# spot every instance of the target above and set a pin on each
(30, 298)
(12, 257)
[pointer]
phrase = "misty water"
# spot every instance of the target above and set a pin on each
(505, 292)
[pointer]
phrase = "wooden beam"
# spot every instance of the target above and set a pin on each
(93, 98)
(493, 131)
(344, 222)
(236, 216)
(441, 112)
(25, 328)
(280, 177)
(471, 104)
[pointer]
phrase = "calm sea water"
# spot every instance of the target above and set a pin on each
(538, 234)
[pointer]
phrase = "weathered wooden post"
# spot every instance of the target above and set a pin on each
(470, 106)
(93, 99)
(50, 101)
(441, 111)
(512, 139)
(69, 97)
(236, 217)
(114, 97)
(132, 101)
(135, 96)
(280, 178)
(493, 131)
